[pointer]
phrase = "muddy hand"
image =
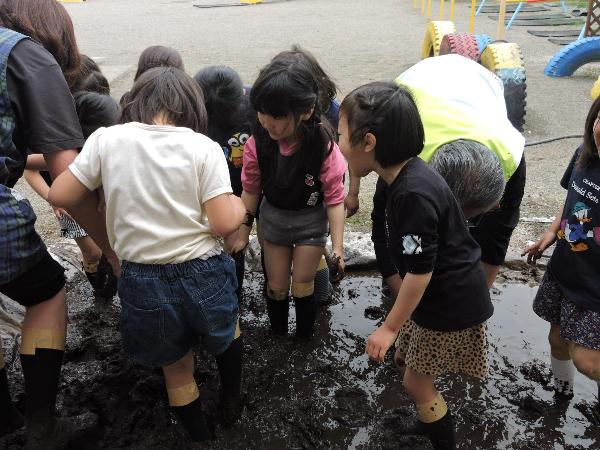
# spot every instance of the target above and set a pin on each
(336, 268)
(379, 342)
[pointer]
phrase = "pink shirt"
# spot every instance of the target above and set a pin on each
(331, 176)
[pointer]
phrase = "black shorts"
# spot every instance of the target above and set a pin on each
(38, 284)
(495, 228)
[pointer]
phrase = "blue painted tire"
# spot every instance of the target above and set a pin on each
(573, 56)
(482, 42)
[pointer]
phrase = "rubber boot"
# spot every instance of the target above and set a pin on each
(42, 372)
(278, 315)
(440, 432)
(230, 369)
(306, 314)
(10, 417)
(193, 420)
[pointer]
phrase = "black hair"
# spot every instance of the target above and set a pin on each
(390, 113)
(158, 56)
(589, 151)
(288, 86)
(95, 110)
(90, 77)
(166, 92)
(226, 104)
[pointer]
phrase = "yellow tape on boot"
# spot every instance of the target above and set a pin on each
(34, 338)
(300, 290)
(238, 331)
(183, 395)
(432, 411)
(322, 264)
(277, 294)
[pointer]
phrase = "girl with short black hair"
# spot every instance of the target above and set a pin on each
(443, 301)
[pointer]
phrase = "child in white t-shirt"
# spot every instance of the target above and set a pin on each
(168, 199)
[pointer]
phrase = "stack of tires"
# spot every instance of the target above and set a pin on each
(502, 58)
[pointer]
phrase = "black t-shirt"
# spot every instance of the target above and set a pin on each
(428, 233)
(575, 262)
(46, 119)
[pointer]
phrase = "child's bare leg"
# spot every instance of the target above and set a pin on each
(587, 361)
(563, 370)
(305, 261)
(278, 263)
(184, 397)
(435, 420)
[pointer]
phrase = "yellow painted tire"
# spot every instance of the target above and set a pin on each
(436, 30)
(595, 92)
(502, 55)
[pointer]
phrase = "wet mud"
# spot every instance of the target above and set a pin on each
(325, 394)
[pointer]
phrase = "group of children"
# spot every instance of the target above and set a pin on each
(185, 165)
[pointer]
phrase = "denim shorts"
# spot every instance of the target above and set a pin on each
(169, 308)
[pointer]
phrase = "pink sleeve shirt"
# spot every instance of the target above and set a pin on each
(331, 176)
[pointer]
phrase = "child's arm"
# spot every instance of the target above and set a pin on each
(335, 215)
(36, 161)
(225, 213)
(411, 291)
(39, 185)
(351, 202)
(535, 251)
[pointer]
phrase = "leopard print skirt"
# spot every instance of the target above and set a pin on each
(434, 353)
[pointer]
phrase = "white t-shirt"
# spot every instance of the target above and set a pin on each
(155, 180)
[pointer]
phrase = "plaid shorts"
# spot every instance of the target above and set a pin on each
(578, 325)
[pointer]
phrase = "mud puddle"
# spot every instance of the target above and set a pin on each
(321, 395)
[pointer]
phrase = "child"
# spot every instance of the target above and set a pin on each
(293, 160)
(90, 77)
(443, 301)
(568, 296)
(155, 56)
(168, 199)
(229, 124)
(94, 111)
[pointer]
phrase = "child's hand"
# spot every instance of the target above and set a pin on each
(379, 342)
(336, 265)
(351, 204)
(59, 213)
(236, 242)
(535, 251)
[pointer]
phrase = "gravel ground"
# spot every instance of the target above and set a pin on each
(357, 42)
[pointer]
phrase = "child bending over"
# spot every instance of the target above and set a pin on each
(443, 301)
(168, 199)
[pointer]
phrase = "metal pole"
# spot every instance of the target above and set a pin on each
(501, 19)
(472, 22)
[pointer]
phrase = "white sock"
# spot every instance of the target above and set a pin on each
(564, 373)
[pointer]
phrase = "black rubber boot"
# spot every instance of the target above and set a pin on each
(306, 314)
(230, 370)
(239, 259)
(41, 372)
(106, 282)
(193, 420)
(10, 417)
(278, 315)
(440, 432)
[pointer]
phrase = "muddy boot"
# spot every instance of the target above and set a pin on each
(306, 314)
(192, 418)
(278, 315)
(10, 417)
(440, 432)
(41, 372)
(230, 370)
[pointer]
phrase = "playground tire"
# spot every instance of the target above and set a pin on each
(463, 44)
(573, 56)
(436, 30)
(502, 55)
(515, 95)
(595, 92)
(483, 40)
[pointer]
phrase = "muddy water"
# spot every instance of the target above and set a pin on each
(321, 395)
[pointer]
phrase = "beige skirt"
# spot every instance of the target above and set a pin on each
(434, 353)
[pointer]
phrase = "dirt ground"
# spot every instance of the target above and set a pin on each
(327, 395)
